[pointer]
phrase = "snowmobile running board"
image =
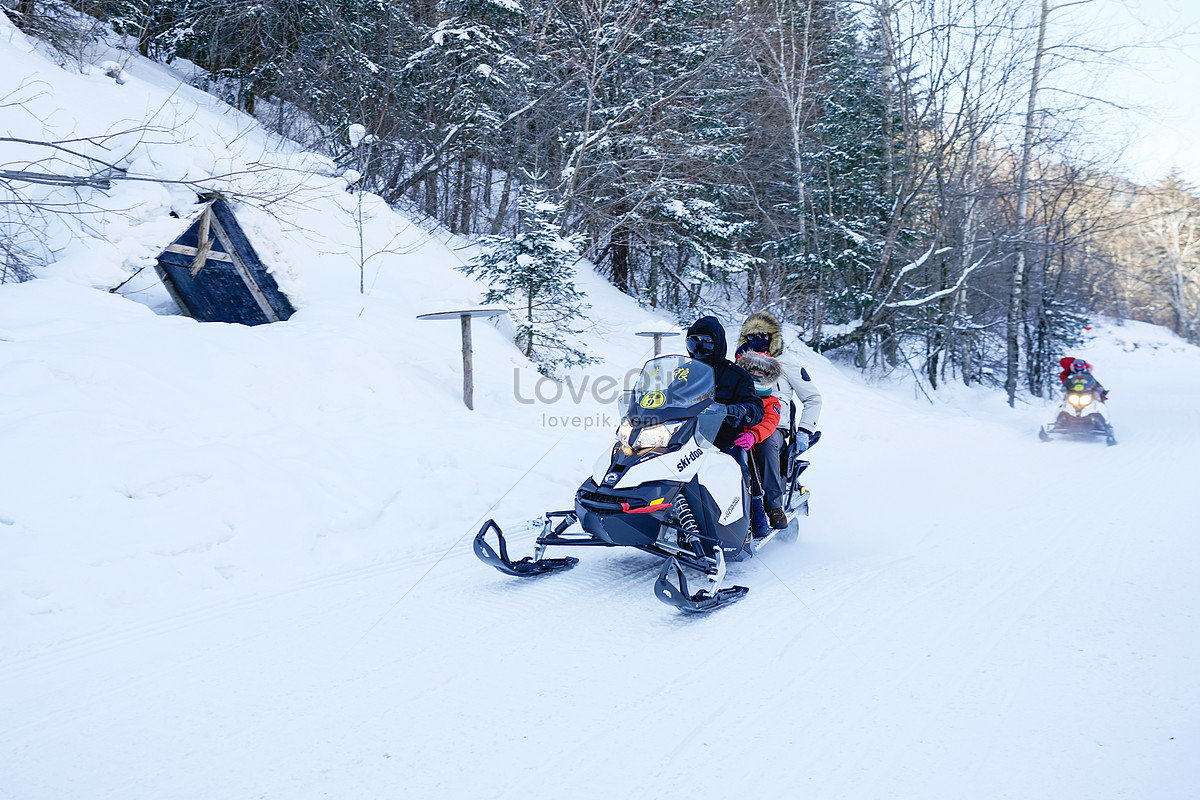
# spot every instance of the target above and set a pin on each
(756, 543)
(529, 565)
(700, 602)
(1048, 435)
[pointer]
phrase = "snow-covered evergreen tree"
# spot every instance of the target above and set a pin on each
(637, 139)
(532, 273)
(472, 78)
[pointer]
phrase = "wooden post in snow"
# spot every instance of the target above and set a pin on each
(464, 318)
(468, 378)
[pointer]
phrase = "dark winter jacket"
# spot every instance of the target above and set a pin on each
(1066, 363)
(735, 387)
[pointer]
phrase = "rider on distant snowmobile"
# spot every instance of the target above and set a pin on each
(1076, 370)
(1083, 413)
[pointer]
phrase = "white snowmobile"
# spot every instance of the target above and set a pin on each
(1082, 414)
(664, 488)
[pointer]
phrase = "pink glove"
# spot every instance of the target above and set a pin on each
(745, 440)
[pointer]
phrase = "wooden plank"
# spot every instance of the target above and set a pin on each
(247, 277)
(184, 250)
(205, 242)
(493, 311)
(239, 244)
(165, 276)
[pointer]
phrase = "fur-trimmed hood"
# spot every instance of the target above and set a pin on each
(763, 322)
(763, 363)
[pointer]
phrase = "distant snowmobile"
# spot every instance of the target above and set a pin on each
(1082, 414)
(664, 488)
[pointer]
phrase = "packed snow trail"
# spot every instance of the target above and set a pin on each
(236, 562)
(967, 612)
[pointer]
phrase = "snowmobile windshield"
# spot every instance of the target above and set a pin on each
(671, 388)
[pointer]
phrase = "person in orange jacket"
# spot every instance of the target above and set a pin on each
(764, 438)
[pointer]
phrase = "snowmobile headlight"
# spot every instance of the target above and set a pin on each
(624, 431)
(657, 435)
(1079, 400)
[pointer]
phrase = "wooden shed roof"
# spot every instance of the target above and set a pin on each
(215, 275)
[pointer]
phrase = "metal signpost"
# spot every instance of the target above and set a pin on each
(658, 337)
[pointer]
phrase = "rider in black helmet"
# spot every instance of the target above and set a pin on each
(1076, 370)
(735, 387)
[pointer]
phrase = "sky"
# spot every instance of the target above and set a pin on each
(1159, 82)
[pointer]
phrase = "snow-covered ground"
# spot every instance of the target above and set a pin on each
(235, 562)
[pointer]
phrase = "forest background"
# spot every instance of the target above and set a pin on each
(915, 185)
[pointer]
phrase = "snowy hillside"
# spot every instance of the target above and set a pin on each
(235, 562)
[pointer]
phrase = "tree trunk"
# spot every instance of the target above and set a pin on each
(502, 211)
(619, 246)
(431, 194)
(1015, 297)
(464, 198)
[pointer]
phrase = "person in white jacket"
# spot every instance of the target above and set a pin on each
(761, 332)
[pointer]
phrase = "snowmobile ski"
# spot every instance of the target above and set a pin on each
(676, 594)
(527, 566)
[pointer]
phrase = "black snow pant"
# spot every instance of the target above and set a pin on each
(767, 457)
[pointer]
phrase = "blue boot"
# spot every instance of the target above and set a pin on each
(759, 522)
